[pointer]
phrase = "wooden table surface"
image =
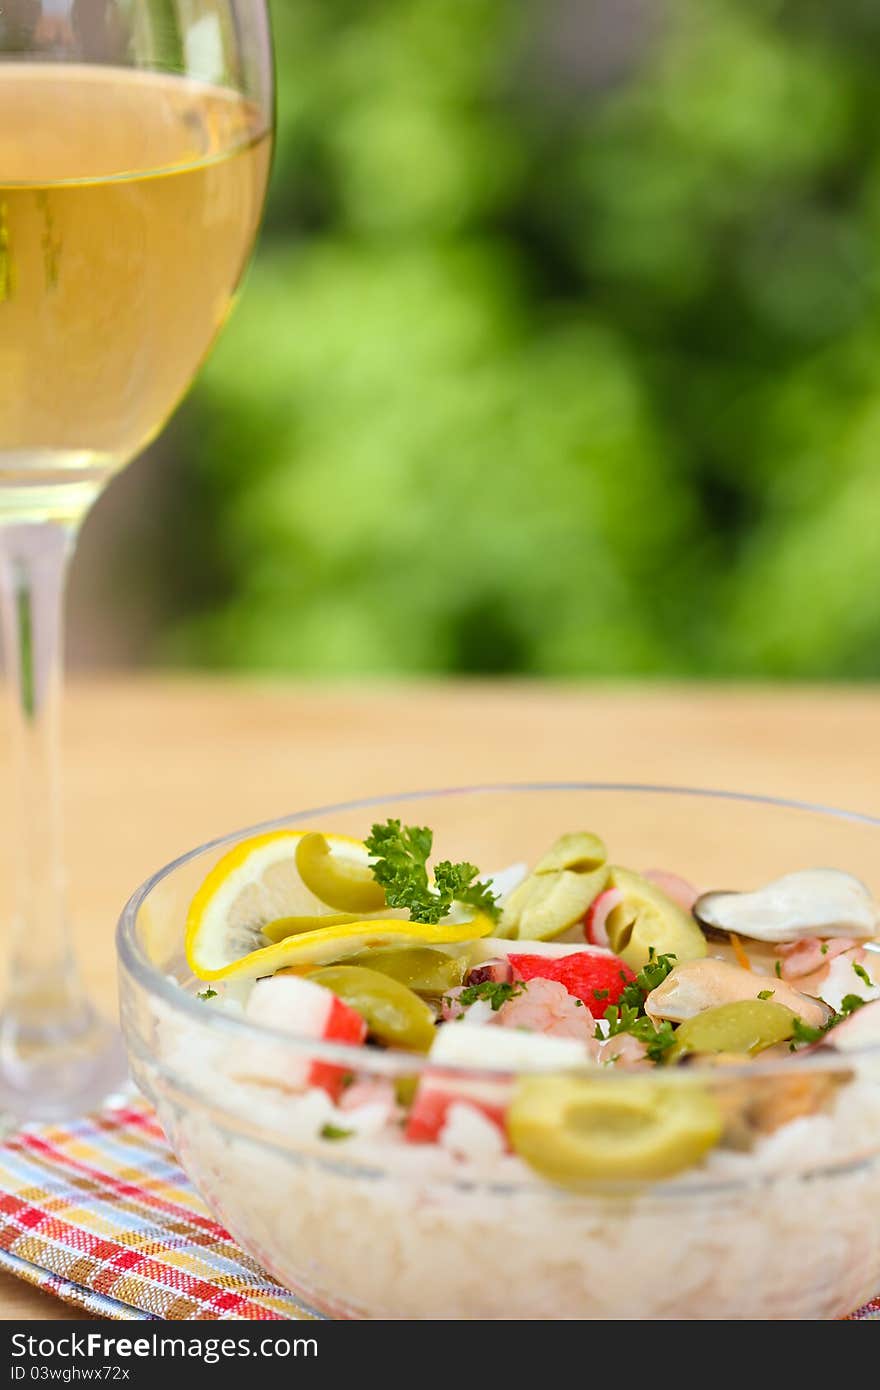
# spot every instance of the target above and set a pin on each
(155, 766)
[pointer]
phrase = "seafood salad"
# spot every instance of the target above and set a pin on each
(569, 1010)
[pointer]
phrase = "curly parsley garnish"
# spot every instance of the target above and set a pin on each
(628, 1015)
(862, 974)
(494, 992)
(848, 1005)
(635, 992)
(766, 993)
(401, 854)
(803, 1033)
(657, 1040)
(207, 994)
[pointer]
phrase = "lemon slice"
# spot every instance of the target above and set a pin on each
(258, 883)
(327, 945)
(255, 883)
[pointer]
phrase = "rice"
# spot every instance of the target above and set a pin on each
(372, 1226)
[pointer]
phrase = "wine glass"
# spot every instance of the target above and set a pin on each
(135, 144)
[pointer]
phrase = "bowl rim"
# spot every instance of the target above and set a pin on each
(395, 1062)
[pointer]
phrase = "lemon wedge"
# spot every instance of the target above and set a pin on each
(257, 884)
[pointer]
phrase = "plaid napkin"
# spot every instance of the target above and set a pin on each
(99, 1213)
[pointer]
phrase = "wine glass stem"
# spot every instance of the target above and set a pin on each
(43, 982)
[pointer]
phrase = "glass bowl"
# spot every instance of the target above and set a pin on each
(777, 1223)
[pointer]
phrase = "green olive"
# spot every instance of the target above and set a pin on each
(283, 927)
(344, 883)
(394, 1014)
(648, 918)
(558, 892)
(405, 1088)
(581, 852)
(578, 1132)
(418, 967)
(547, 904)
(744, 1026)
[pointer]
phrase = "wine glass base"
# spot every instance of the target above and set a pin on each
(59, 1070)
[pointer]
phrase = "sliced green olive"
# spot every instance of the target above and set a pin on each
(282, 927)
(405, 1088)
(581, 852)
(558, 892)
(743, 1026)
(419, 967)
(394, 1014)
(342, 882)
(579, 1132)
(547, 904)
(648, 918)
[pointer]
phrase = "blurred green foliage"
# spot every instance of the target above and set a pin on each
(561, 353)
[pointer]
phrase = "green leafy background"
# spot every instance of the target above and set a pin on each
(561, 353)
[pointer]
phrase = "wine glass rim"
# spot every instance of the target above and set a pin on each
(393, 1062)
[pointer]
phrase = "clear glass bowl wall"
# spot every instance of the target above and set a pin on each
(384, 1230)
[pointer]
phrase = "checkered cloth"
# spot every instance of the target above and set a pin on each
(99, 1213)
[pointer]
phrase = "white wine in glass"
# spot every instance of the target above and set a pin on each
(135, 143)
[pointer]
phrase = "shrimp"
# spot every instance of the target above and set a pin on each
(624, 1050)
(811, 954)
(674, 886)
(545, 1006)
(822, 968)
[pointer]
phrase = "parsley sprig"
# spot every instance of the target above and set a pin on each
(803, 1033)
(657, 1040)
(628, 1015)
(494, 992)
(400, 854)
